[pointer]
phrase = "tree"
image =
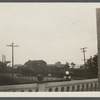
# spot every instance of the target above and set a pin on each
(4, 68)
(67, 66)
(73, 64)
(92, 66)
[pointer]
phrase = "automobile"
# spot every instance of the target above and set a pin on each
(67, 76)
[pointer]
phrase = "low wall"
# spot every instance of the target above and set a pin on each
(19, 88)
(79, 85)
(74, 85)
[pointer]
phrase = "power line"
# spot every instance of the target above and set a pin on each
(12, 45)
(84, 50)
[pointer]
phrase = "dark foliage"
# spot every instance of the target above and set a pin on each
(4, 68)
(79, 72)
(89, 70)
(92, 67)
(35, 67)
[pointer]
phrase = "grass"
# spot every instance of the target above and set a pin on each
(6, 79)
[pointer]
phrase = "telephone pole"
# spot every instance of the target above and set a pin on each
(98, 40)
(12, 45)
(84, 50)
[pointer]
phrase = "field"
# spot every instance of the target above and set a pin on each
(6, 79)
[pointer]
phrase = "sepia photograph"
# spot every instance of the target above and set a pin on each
(49, 47)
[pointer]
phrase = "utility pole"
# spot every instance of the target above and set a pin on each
(98, 40)
(12, 45)
(84, 50)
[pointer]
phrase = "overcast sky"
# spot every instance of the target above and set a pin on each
(48, 31)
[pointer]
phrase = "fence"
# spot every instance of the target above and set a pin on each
(30, 78)
(78, 85)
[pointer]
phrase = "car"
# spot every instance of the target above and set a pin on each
(67, 76)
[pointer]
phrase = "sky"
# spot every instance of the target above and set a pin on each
(48, 31)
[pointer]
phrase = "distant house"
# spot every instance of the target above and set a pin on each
(56, 69)
(36, 63)
(17, 65)
(56, 65)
